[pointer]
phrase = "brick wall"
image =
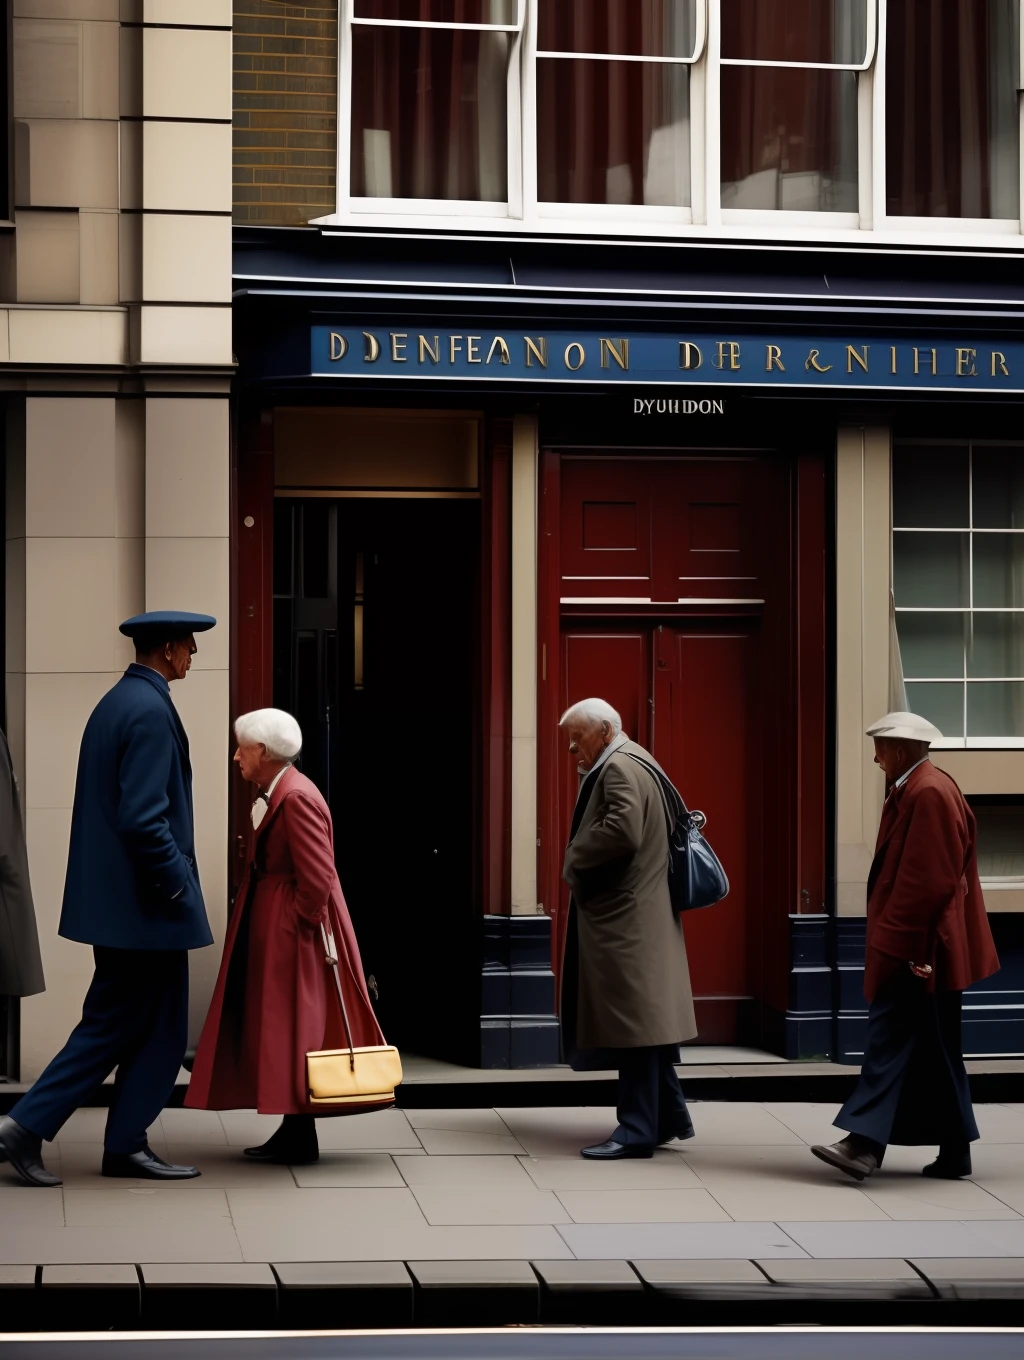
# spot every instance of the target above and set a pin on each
(285, 110)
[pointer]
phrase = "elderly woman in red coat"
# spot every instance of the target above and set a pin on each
(275, 998)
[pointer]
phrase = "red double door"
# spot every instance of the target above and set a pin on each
(674, 594)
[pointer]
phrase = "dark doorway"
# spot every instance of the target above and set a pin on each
(375, 617)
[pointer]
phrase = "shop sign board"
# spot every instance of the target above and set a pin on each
(735, 359)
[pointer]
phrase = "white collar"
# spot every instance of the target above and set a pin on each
(269, 790)
(907, 773)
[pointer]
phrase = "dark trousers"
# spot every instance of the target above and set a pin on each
(913, 1086)
(652, 1107)
(134, 1018)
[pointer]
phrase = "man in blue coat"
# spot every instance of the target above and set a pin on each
(132, 892)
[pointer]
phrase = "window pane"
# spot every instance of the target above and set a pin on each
(996, 647)
(613, 132)
(931, 488)
(952, 122)
(789, 139)
(932, 645)
(942, 705)
(999, 488)
(930, 571)
(796, 30)
(1000, 840)
(440, 11)
(998, 571)
(995, 710)
(429, 114)
(626, 28)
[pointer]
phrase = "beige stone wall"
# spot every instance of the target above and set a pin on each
(115, 359)
(863, 518)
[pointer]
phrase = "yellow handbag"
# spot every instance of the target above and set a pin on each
(350, 1076)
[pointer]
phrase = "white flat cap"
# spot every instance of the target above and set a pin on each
(906, 725)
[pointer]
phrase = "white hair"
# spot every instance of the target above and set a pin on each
(273, 728)
(591, 713)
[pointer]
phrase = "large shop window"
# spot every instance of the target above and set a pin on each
(896, 116)
(958, 581)
(952, 142)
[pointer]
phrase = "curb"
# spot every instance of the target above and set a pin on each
(377, 1295)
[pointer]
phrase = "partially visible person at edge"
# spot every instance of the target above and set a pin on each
(132, 892)
(21, 968)
(928, 939)
(626, 1000)
(275, 999)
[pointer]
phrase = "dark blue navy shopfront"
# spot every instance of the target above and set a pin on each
(683, 401)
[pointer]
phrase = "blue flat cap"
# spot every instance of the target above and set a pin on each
(173, 620)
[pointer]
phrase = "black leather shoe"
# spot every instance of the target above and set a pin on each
(616, 1152)
(949, 1166)
(282, 1154)
(680, 1137)
(849, 1157)
(144, 1165)
(24, 1152)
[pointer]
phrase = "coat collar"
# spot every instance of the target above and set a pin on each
(895, 805)
(159, 683)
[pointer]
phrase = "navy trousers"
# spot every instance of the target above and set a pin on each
(652, 1107)
(134, 1018)
(913, 1086)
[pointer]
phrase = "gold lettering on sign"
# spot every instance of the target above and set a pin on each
(813, 361)
(472, 352)
(434, 352)
(999, 362)
(860, 357)
(773, 358)
(917, 361)
(580, 354)
(398, 339)
(454, 347)
(537, 350)
(618, 351)
(339, 346)
(892, 358)
(688, 353)
(728, 355)
(372, 348)
(498, 343)
(965, 365)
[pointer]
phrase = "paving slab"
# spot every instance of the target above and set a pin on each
(648, 1241)
(767, 1203)
(229, 1297)
(590, 1292)
(573, 1173)
(496, 1172)
(643, 1206)
(904, 1239)
(350, 1171)
(449, 1205)
(91, 1297)
(917, 1197)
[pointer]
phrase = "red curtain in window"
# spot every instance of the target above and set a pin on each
(938, 115)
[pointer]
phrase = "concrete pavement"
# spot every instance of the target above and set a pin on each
(507, 1184)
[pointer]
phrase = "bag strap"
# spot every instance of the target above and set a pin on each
(664, 783)
(331, 958)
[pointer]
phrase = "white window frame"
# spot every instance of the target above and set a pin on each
(705, 219)
(358, 207)
(947, 230)
(964, 743)
(569, 216)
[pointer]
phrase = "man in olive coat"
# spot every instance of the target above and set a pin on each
(132, 892)
(928, 940)
(21, 969)
(626, 999)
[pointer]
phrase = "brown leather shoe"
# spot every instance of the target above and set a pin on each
(848, 1157)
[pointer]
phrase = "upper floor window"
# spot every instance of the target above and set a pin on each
(952, 111)
(833, 114)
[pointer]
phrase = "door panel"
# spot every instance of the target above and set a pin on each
(706, 738)
(605, 529)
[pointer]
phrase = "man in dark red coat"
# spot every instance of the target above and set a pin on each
(928, 939)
